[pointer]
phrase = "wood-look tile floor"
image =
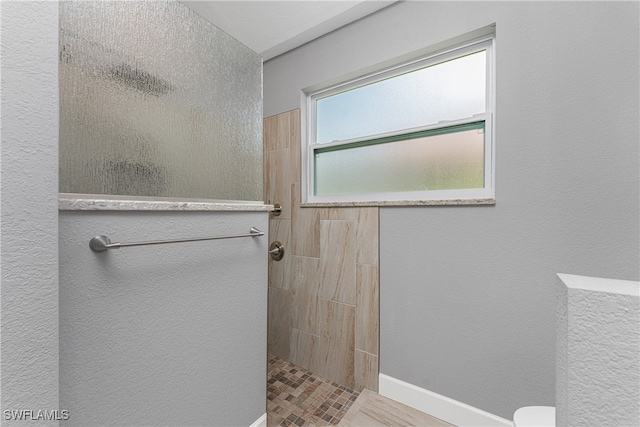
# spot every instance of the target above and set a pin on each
(297, 397)
(371, 409)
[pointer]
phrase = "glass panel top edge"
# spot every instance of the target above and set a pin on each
(90, 202)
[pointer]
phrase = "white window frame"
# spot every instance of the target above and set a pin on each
(484, 195)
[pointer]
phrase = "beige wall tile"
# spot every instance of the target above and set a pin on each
(283, 131)
(294, 144)
(278, 320)
(339, 213)
(366, 371)
(367, 236)
(305, 227)
(276, 132)
(265, 174)
(367, 308)
(269, 134)
(337, 324)
(338, 260)
(280, 271)
(304, 349)
(305, 280)
(278, 180)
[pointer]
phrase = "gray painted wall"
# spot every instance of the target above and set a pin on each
(597, 352)
(29, 288)
(467, 293)
(168, 334)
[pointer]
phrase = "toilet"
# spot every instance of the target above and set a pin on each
(535, 416)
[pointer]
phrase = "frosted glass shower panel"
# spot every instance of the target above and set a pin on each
(157, 101)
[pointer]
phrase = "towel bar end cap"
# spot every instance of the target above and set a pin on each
(256, 232)
(99, 243)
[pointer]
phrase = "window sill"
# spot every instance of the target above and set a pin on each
(453, 202)
(99, 202)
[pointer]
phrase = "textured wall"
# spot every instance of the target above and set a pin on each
(29, 345)
(467, 293)
(323, 295)
(598, 352)
(168, 334)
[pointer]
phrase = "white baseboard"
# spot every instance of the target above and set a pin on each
(449, 410)
(260, 422)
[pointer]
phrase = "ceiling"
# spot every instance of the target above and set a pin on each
(275, 27)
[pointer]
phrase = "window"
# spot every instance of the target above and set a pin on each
(421, 130)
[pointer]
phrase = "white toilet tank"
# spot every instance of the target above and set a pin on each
(535, 416)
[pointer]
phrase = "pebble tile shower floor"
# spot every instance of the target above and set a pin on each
(297, 397)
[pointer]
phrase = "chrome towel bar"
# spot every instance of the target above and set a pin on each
(103, 243)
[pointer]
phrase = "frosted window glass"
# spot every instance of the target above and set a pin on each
(156, 101)
(447, 91)
(445, 160)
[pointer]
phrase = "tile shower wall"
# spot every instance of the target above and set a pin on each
(323, 295)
